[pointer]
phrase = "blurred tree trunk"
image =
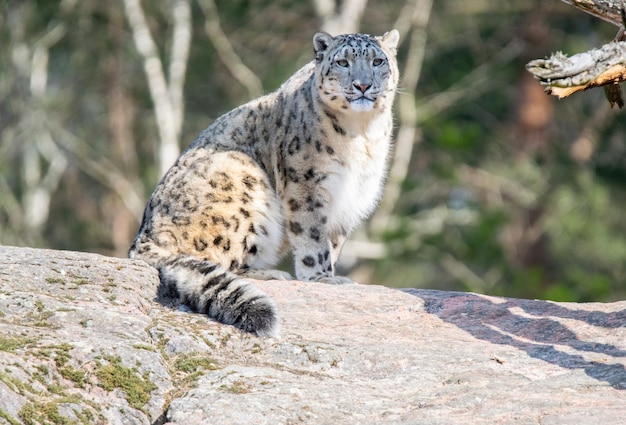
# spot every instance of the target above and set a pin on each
(42, 162)
(524, 239)
(167, 94)
(535, 110)
(340, 19)
(41, 183)
(121, 119)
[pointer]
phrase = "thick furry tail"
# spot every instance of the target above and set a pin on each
(208, 288)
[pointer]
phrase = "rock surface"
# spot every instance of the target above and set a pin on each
(82, 340)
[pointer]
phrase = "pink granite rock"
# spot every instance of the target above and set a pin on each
(82, 338)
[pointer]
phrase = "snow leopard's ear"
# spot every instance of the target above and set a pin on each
(321, 41)
(390, 40)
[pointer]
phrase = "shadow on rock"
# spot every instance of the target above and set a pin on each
(531, 326)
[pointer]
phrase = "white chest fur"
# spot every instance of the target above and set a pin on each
(355, 182)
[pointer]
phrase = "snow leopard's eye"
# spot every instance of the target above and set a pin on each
(377, 62)
(342, 63)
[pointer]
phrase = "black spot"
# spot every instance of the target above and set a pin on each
(181, 220)
(200, 244)
(294, 205)
(294, 146)
(237, 221)
(245, 213)
(217, 240)
(309, 203)
(338, 129)
(295, 227)
(234, 265)
(292, 174)
(314, 234)
(253, 250)
(308, 261)
(249, 181)
(312, 204)
(220, 220)
(335, 122)
(251, 229)
(143, 249)
(309, 174)
(329, 150)
(226, 246)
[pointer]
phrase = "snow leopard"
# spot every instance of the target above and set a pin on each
(294, 171)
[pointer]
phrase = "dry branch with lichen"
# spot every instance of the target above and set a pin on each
(606, 66)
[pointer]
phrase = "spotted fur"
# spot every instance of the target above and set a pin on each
(296, 170)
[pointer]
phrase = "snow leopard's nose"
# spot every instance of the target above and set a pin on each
(362, 87)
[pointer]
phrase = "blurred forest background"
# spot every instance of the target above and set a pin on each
(495, 187)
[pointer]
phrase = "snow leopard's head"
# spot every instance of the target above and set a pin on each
(356, 72)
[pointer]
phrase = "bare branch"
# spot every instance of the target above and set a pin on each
(562, 75)
(227, 53)
(497, 185)
(11, 206)
(460, 271)
(39, 68)
(102, 170)
(605, 66)
(37, 199)
(472, 84)
(607, 10)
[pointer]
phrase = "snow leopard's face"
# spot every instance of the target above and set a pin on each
(356, 72)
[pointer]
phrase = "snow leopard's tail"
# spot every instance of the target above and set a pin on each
(230, 299)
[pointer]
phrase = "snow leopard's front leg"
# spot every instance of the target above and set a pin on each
(314, 249)
(336, 244)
